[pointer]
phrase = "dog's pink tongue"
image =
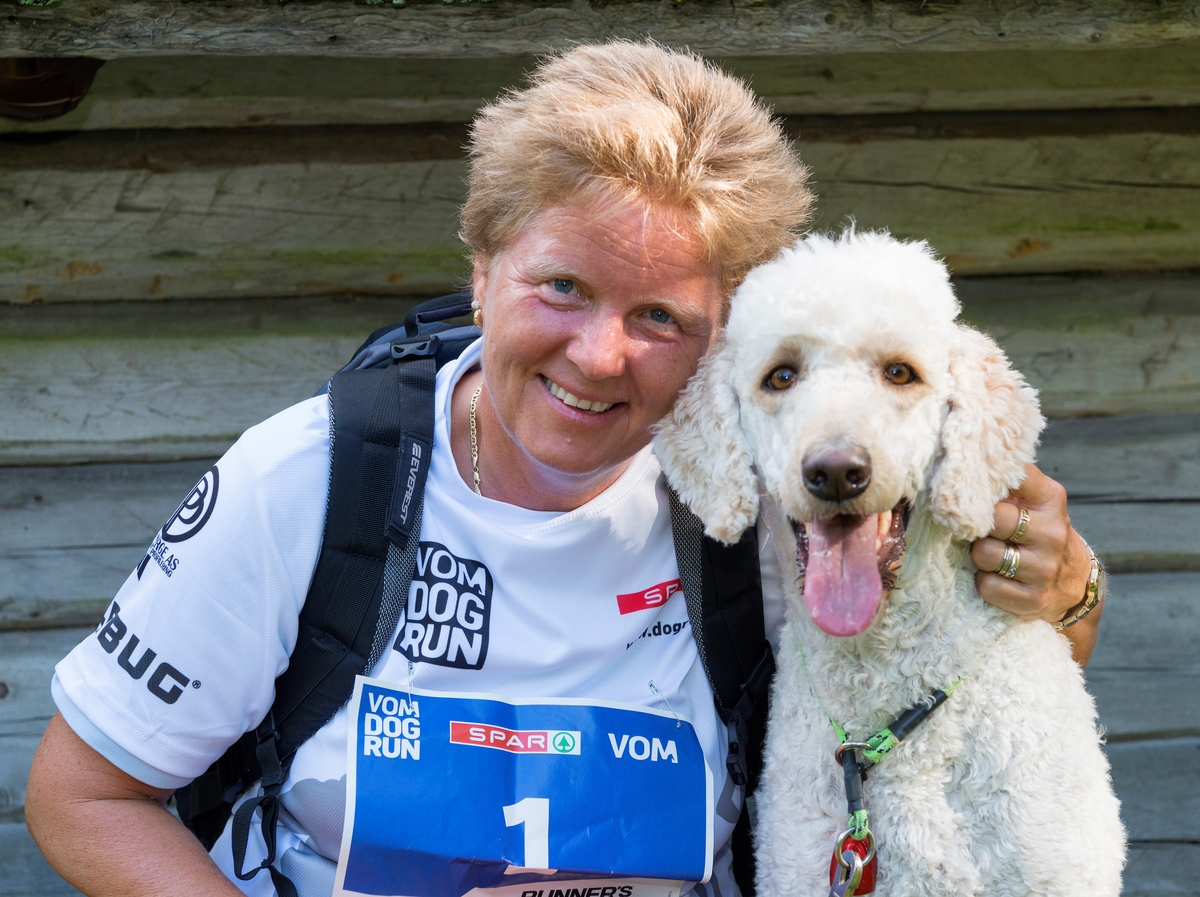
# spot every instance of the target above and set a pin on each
(842, 587)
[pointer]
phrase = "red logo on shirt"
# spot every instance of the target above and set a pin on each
(515, 741)
(655, 596)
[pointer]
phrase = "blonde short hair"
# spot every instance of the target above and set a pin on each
(644, 123)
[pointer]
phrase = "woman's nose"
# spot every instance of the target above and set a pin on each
(600, 348)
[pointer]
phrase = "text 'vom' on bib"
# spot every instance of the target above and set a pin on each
(451, 795)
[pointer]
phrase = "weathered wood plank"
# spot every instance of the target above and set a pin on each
(26, 667)
(113, 28)
(291, 211)
(297, 211)
(250, 91)
(115, 383)
(1162, 869)
(1145, 670)
(25, 872)
(1096, 345)
(1137, 537)
(58, 568)
(1137, 456)
(1033, 200)
(166, 381)
(73, 534)
(1159, 786)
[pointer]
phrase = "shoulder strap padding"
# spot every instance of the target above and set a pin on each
(342, 610)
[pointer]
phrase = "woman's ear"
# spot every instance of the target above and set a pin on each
(704, 454)
(988, 436)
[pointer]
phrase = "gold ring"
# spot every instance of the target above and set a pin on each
(1022, 526)
(1010, 563)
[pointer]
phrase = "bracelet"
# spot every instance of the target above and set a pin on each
(1091, 596)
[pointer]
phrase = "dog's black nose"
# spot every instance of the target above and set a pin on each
(837, 474)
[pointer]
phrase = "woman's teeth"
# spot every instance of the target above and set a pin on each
(574, 401)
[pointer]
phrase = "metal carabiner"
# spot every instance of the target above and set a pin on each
(851, 875)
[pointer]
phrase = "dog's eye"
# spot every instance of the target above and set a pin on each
(780, 378)
(899, 373)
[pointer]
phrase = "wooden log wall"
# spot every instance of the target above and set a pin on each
(251, 187)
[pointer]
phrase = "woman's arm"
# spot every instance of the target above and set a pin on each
(107, 833)
(1054, 567)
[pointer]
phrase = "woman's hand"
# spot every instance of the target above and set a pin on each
(1054, 561)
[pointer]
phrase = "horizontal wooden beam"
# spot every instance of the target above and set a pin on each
(300, 211)
(152, 92)
(1135, 457)
(59, 566)
(115, 28)
(1144, 662)
(125, 381)
(1096, 345)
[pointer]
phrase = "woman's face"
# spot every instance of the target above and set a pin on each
(595, 316)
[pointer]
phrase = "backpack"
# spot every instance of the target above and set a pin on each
(382, 419)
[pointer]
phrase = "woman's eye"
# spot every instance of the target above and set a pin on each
(899, 373)
(658, 316)
(561, 285)
(782, 377)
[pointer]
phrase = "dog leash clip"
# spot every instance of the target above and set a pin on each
(854, 865)
(849, 877)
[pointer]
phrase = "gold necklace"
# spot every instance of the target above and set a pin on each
(475, 441)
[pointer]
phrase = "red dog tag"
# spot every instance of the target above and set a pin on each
(867, 885)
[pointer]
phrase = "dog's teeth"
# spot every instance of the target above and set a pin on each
(884, 524)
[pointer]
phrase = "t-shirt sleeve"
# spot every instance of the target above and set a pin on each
(186, 657)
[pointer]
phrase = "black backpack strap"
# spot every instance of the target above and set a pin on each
(723, 589)
(382, 422)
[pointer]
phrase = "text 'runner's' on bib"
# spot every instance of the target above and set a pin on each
(449, 794)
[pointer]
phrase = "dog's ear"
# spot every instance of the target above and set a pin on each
(704, 454)
(988, 436)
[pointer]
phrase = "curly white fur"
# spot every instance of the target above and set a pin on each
(1005, 790)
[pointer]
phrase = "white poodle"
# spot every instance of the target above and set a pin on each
(882, 432)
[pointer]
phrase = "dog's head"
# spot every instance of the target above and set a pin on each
(844, 382)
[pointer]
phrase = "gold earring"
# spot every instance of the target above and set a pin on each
(477, 317)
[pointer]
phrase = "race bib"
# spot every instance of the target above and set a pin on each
(449, 794)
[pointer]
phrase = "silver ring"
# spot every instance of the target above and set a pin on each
(1022, 526)
(841, 840)
(1010, 563)
(849, 746)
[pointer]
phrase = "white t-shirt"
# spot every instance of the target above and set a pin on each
(545, 604)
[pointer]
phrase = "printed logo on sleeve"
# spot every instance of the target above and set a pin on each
(189, 518)
(655, 596)
(446, 618)
(166, 682)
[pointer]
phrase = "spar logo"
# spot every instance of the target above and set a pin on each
(445, 620)
(655, 596)
(515, 741)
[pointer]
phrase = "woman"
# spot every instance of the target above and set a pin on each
(613, 207)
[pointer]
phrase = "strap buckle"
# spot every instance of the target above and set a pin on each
(739, 734)
(426, 347)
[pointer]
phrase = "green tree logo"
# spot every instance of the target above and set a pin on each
(564, 742)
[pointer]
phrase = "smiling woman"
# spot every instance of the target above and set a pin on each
(614, 205)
